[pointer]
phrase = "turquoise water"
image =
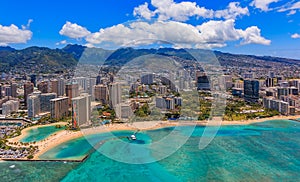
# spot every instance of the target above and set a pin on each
(40, 133)
(268, 151)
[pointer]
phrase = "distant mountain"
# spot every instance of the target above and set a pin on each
(124, 55)
(74, 49)
(88, 55)
(46, 60)
(240, 60)
(6, 48)
(36, 58)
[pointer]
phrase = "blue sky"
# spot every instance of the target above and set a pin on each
(262, 27)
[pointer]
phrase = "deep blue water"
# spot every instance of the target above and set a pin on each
(268, 151)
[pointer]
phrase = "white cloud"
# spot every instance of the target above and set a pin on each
(252, 36)
(292, 7)
(263, 4)
(63, 42)
(218, 31)
(292, 12)
(168, 9)
(222, 31)
(183, 11)
(12, 34)
(295, 36)
(74, 30)
(233, 10)
(27, 26)
(143, 11)
(29, 23)
(207, 35)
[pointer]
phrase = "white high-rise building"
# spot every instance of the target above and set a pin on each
(114, 94)
(33, 105)
(126, 111)
(81, 110)
(9, 107)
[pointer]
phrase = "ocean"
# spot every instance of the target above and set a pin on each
(267, 151)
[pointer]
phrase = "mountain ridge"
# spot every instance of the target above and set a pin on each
(46, 59)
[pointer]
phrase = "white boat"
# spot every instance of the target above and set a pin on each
(132, 137)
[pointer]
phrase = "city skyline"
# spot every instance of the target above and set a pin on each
(249, 27)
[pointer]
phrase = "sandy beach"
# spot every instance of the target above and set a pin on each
(65, 135)
(246, 122)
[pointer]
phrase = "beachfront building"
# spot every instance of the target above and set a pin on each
(39, 103)
(33, 105)
(278, 105)
(59, 107)
(81, 110)
(114, 94)
(126, 111)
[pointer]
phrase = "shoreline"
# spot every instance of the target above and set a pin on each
(63, 136)
(247, 122)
